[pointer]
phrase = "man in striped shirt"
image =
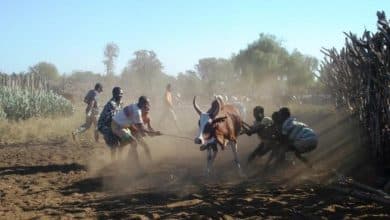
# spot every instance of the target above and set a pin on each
(104, 123)
(296, 135)
(131, 117)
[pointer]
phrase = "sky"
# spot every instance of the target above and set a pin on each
(72, 34)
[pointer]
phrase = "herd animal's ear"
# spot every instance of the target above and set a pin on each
(214, 110)
(219, 119)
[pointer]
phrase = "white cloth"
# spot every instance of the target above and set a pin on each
(128, 116)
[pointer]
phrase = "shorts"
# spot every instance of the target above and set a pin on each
(124, 134)
(110, 138)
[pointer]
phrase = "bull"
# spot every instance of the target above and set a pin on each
(220, 125)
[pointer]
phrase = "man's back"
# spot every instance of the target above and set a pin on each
(130, 115)
(92, 96)
(168, 98)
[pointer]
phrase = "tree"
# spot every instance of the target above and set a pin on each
(144, 67)
(300, 70)
(261, 58)
(110, 53)
(267, 60)
(45, 70)
(79, 82)
(216, 73)
(188, 84)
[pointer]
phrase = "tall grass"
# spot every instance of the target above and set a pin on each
(41, 129)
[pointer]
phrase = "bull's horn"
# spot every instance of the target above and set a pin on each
(196, 106)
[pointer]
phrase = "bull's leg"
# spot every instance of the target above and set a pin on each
(233, 145)
(210, 142)
(211, 155)
(209, 161)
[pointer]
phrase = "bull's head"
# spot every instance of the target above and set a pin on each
(207, 119)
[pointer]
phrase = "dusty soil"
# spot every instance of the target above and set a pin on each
(63, 180)
(60, 179)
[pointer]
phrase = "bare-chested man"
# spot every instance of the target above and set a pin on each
(168, 109)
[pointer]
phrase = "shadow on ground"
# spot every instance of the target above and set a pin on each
(28, 170)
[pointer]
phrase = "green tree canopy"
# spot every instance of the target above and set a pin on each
(216, 73)
(267, 59)
(144, 70)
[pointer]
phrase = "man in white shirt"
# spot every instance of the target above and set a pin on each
(131, 117)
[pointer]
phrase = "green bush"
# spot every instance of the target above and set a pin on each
(23, 104)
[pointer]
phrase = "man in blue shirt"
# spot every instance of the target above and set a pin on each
(297, 136)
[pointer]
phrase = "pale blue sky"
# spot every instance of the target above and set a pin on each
(72, 34)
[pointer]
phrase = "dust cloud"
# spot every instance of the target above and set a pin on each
(178, 165)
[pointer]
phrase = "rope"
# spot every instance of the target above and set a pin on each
(177, 136)
(245, 125)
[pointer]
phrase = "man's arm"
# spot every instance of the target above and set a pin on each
(141, 128)
(254, 129)
(149, 126)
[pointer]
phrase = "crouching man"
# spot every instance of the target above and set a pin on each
(297, 136)
(260, 125)
(104, 123)
(131, 117)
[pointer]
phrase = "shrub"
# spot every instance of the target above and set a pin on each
(23, 104)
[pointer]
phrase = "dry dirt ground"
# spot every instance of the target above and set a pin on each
(65, 180)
